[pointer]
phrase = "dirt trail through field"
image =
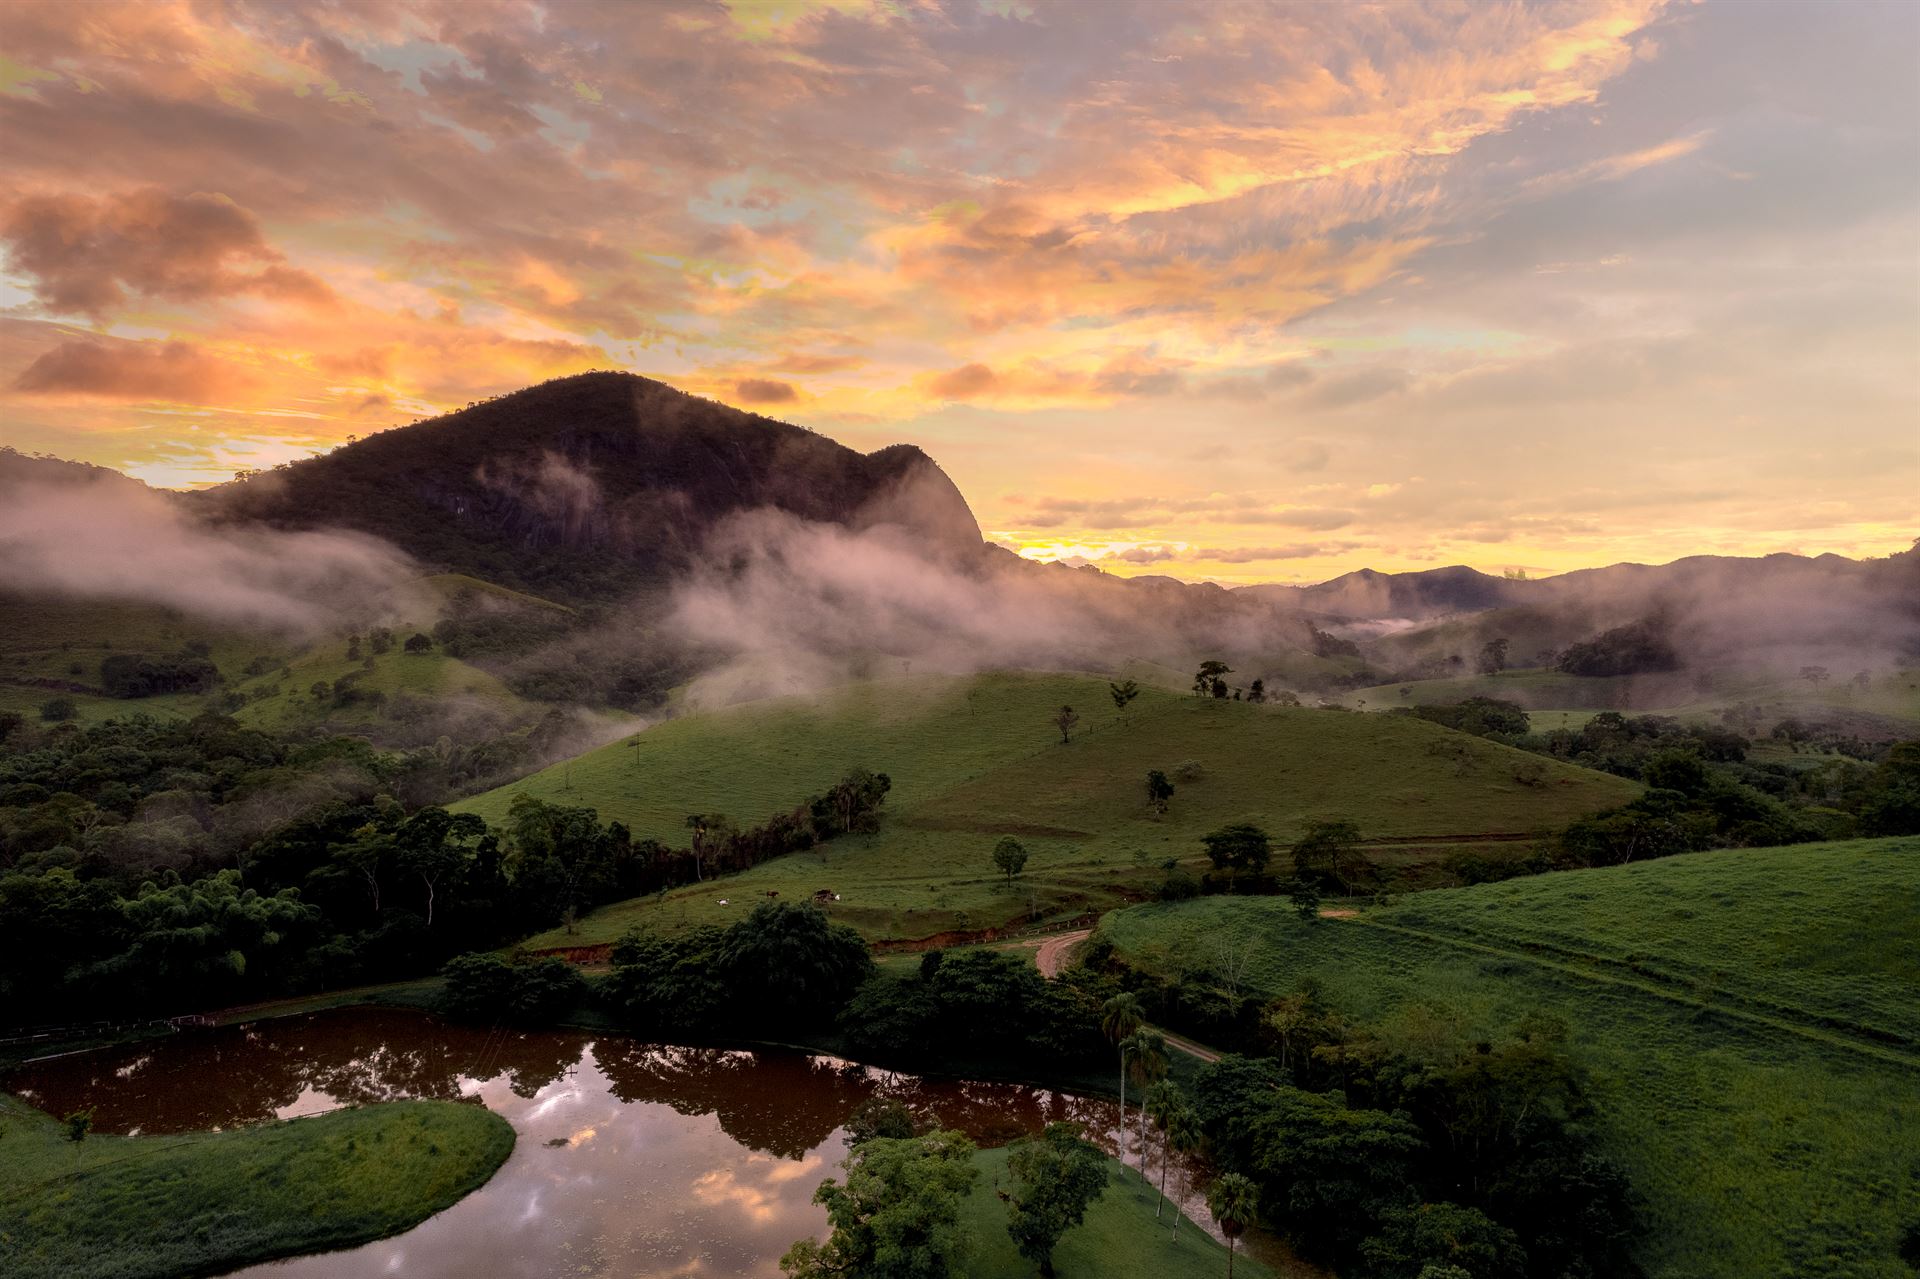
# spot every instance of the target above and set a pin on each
(1052, 955)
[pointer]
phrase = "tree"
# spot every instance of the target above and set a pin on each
(1815, 675)
(353, 648)
(789, 960)
(1233, 1200)
(380, 639)
(710, 831)
(1064, 719)
(320, 691)
(1493, 656)
(418, 643)
(79, 1123)
(1305, 896)
(1120, 1017)
(1161, 1103)
(1123, 694)
(1209, 680)
(1184, 1136)
(898, 1213)
(1010, 855)
(1145, 1052)
(1329, 853)
(58, 710)
(1257, 691)
(1056, 1177)
(1159, 790)
(1238, 847)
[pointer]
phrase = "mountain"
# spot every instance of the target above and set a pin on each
(591, 483)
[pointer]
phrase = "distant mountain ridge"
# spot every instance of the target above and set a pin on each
(588, 488)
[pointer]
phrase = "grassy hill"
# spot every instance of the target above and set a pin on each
(54, 647)
(973, 759)
(207, 1202)
(1750, 1020)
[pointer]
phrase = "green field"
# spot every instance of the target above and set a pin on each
(1119, 1239)
(200, 1203)
(973, 759)
(1750, 1020)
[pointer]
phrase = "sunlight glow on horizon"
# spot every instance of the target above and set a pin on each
(1273, 297)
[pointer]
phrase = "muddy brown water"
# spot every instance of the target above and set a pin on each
(633, 1160)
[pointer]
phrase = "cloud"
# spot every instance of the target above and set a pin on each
(760, 390)
(1261, 554)
(170, 371)
(105, 537)
(1358, 387)
(85, 254)
(964, 383)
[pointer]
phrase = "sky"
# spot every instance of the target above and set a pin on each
(1230, 291)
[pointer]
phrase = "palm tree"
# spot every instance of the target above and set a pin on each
(1148, 1050)
(1162, 1100)
(1183, 1135)
(1233, 1200)
(1120, 1016)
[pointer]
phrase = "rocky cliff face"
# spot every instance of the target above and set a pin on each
(592, 482)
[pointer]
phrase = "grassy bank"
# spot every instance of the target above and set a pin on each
(976, 759)
(1747, 1019)
(201, 1203)
(1120, 1238)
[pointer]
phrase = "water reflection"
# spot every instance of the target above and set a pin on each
(633, 1159)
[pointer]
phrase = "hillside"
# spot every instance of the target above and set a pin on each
(590, 483)
(974, 759)
(1747, 1018)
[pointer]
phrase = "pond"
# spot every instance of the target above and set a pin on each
(633, 1159)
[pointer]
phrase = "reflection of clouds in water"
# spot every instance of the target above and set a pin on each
(757, 1189)
(664, 1161)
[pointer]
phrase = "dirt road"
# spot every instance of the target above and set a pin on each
(1052, 955)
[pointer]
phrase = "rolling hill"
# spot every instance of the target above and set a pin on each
(974, 759)
(1748, 1020)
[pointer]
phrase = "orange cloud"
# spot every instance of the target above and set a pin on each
(175, 372)
(762, 390)
(85, 255)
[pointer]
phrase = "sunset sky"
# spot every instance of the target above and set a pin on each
(1222, 290)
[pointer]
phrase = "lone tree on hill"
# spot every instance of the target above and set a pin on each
(1010, 855)
(419, 643)
(1329, 853)
(1064, 719)
(1208, 681)
(1159, 790)
(1493, 656)
(1056, 1177)
(1257, 691)
(1122, 694)
(1234, 1201)
(1239, 847)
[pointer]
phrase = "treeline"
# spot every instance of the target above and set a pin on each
(1380, 1151)
(787, 969)
(163, 867)
(1703, 790)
